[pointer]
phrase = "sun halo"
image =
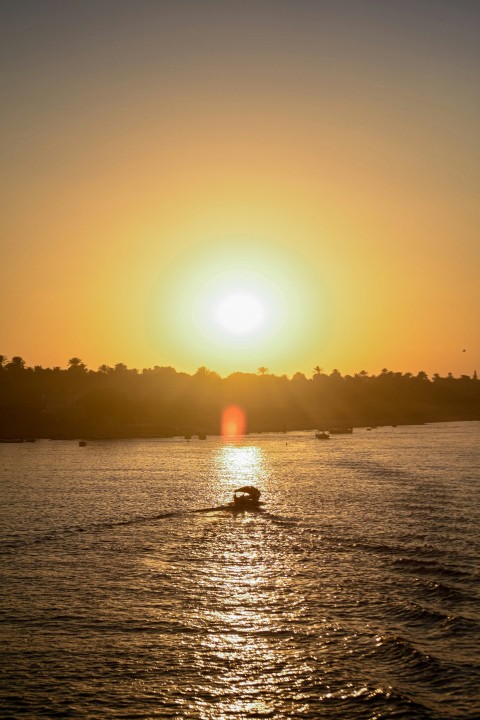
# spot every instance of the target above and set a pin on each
(191, 305)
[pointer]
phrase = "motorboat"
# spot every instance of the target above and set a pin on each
(246, 497)
(322, 435)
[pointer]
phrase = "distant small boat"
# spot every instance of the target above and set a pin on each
(202, 436)
(322, 435)
(82, 443)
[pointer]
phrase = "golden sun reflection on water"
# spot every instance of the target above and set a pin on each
(247, 672)
(240, 585)
(242, 465)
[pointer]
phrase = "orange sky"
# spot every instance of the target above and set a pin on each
(330, 148)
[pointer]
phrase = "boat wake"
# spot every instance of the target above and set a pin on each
(15, 541)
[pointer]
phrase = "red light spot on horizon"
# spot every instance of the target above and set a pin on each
(233, 422)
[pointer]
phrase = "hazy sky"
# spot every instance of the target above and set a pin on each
(320, 157)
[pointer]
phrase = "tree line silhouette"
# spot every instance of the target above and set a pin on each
(116, 402)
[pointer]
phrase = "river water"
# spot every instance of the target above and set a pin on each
(355, 594)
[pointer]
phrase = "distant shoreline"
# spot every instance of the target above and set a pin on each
(161, 402)
(195, 438)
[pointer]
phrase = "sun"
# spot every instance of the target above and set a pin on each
(235, 305)
(240, 313)
(239, 309)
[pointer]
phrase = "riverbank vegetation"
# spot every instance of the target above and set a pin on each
(160, 402)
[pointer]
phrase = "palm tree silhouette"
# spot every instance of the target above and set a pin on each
(75, 362)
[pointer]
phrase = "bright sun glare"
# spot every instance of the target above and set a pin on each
(239, 309)
(240, 313)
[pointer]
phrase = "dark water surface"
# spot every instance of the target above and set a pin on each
(354, 595)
